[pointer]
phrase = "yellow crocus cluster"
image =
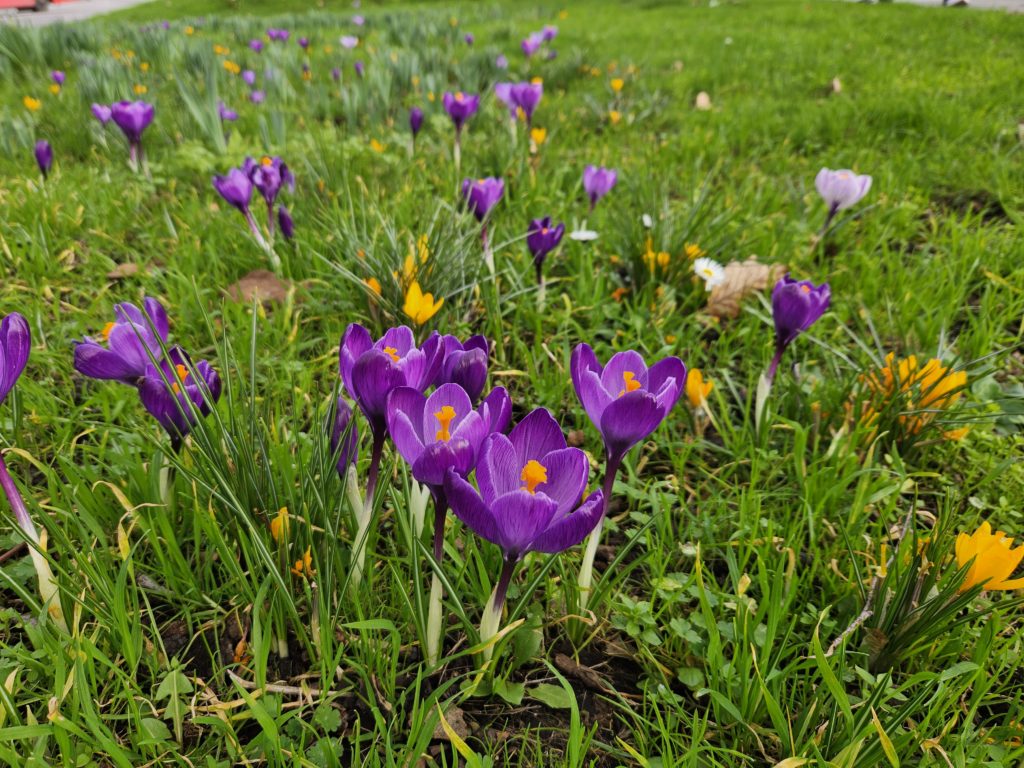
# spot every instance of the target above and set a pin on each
(922, 391)
(654, 258)
(697, 390)
(420, 306)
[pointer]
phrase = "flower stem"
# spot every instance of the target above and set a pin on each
(488, 251)
(47, 582)
(434, 607)
(365, 514)
(586, 576)
(491, 619)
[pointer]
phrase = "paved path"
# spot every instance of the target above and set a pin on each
(69, 12)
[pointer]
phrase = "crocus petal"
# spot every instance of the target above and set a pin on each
(567, 472)
(447, 395)
(621, 363)
(498, 408)
(437, 458)
(96, 362)
(520, 518)
(536, 436)
(15, 345)
(354, 342)
(628, 420)
(498, 469)
(569, 530)
(467, 505)
(374, 376)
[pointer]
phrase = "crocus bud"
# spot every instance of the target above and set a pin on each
(415, 120)
(284, 219)
(44, 157)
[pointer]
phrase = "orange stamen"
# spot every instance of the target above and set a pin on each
(444, 418)
(631, 383)
(534, 473)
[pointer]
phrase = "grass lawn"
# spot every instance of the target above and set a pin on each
(785, 593)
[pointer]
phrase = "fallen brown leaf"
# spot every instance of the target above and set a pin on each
(742, 278)
(122, 271)
(261, 285)
(457, 720)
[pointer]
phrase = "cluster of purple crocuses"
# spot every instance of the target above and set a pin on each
(535, 40)
(268, 176)
(133, 350)
(520, 98)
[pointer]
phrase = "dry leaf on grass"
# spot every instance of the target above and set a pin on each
(260, 285)
(122, 271)
(457, 721)
(585, 675)
(703, 101)
(742, 278)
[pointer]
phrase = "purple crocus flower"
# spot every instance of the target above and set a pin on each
(441, 432)
(503, 92)
(336, 74)
(460, 107)
(532, 43)
(501, 61)
(249, 77)
(542, 238)
(269, 175)
(58, 77)
(531, 486)
(465, 364)
(840, 189)
(345, 427)
(257, 97)
(256, 45)
(304, 43)
(625, 400)
(358, 20)
(598, 182)
(226, 114)
(360, 68)
(102, 113)
(470, 38)
(415, 121)
(174, 396)
(132, 117)
(371, 369)
(132, 340)
(349, 41)
(280, 35)
(526, 96)
(796, 306)
(15, 345)
(482, 195)
(44, 157)
(549, 33)
(287, 224)
(236, 188)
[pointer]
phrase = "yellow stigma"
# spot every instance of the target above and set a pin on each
(392, 352)
(266, 160)
(107, 329)
(534, 473)
(182, 373)
(543, 230)
(631, 384)
(459, 96)
(805, 288)
(444, 418)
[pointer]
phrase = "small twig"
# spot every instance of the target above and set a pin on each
(15, 551)
(286, 690)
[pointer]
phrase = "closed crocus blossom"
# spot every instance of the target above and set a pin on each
(58, 77)
(482, 195)
(697, 390)
(225, 113)
(44, 157)
(236, 188)
(415, 120)
(796, 306)
(526, 97)
(549, 33)
(176, 392)
(992, 559)
(127, 345)
(256, 45)
(542, 238)
(284, 220)
(345, 436)
(132, 117)
(15, 345)
(303, 43)
(529, 499)
(349, 41)
(360, 68)
(269, 175)
(465, 364)
(598, 182)
(503, 93)
(841, 189)
(249, 77)
(102, 113)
